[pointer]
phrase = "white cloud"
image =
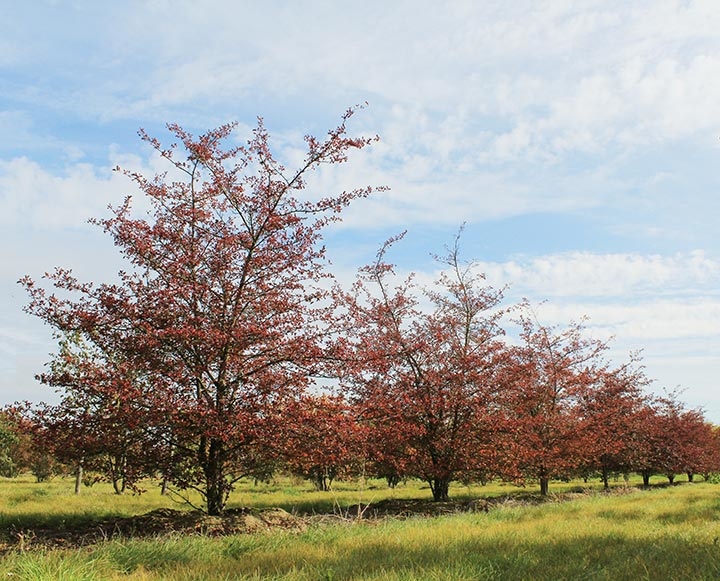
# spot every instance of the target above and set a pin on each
(34, 196)
(31, 195)
(643, 323)
(618, 276)
(465, 84)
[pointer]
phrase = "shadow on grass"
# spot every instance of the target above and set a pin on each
(43, 520)
(590, 557)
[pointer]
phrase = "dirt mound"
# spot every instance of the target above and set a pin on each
(233, 521)
(159, 522)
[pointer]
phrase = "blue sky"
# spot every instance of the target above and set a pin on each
(578, 140)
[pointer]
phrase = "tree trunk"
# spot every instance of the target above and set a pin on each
(392, 480)
(79, 475)
(321, 482)
(646, 478)
(216, 486)
(605, 478)
(118, 469)
(544, 485)
(118, 485)
(440, 488)
(671, 478)
(691, 476)
(164, 486)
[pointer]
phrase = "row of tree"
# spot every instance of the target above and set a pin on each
(331, 438)
(200, 362)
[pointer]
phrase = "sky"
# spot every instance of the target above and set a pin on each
(578, 141)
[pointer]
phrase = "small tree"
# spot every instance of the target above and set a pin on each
(553, 370)
(609, 412)
(8, 442)
(700, 451)
(100, 424)
(28, 448)
(325, 441)
(673, 440)
(426, 379)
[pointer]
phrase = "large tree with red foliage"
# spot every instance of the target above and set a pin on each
(426, 377)
(220, 310)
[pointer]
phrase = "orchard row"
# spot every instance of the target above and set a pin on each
(227, 350)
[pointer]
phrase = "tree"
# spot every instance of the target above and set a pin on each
(98, 425)
(8, 443)
(711, 456)
(673, 440)
(609, 413)
(426, 378)
(699, 447)
(326, 441)
(646, 441)
(221, 312)
(388, 451)
(553, 370)
(26, 448)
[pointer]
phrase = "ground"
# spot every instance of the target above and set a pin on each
(166, 521)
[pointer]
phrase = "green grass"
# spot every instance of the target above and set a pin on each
(662, 533)
(25, 503)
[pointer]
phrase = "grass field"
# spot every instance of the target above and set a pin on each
(661, 533)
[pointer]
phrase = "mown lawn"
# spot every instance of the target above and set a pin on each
(661, 533)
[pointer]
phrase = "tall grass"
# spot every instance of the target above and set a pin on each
(662, 533)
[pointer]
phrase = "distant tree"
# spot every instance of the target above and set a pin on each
(675, 441)
(221, 310)
(608, 409)
(27, 449)
(19, 448)
(325, 441)
(711, 458)
(700, 447)
(389, 451)
(425, 378)
(554, 368)
(100, 424)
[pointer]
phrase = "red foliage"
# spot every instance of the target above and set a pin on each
(101, 423)
(21, 449)
(609, 411)
(671, 440)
